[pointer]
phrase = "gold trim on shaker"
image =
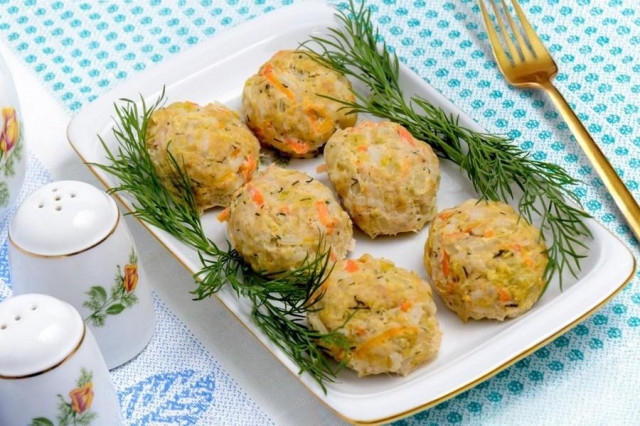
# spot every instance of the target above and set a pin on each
(59, 256)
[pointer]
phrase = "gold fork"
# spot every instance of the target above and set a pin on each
(529, 64)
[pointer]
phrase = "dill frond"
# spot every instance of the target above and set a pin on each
(492, 163)
(279, 301)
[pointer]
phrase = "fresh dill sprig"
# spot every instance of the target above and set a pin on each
(493, 164)
(279, 301)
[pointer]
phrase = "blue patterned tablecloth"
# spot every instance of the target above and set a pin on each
(589, 375)
(174, 380)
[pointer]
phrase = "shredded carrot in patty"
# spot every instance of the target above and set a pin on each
(298, 146)
(404, 134)
(256, 195)
(445, 264)
(352, 266)
(322, 168)
(224, 215)
(385, 336)
(445, 215)
(528, 261)
(362, 148)
(247, 167)
(405, 306)
(504, 295)
(267, 71)
(325, 218)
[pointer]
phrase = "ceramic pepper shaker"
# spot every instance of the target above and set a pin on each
(68, 240)
(51, 369)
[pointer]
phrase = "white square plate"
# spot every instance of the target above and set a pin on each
(216, 70)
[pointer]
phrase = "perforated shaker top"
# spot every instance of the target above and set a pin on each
(63, 218)
(37, 332)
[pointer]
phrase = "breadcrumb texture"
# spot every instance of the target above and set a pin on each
(392, 325)
(283, 108)
(386, 179)
(279, 220)
(485, 261)
(217, 150)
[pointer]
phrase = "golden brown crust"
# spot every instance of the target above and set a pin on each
(218, 151)
(391, 327)
(279, 219)
(386, 179)
(282, 107)
(485, 261)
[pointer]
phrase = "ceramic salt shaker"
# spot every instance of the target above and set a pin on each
(51, 370)
(68, 240)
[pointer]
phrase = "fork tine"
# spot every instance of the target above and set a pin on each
(515, 56)
(496, 46)
(536, 44)
(524, 48)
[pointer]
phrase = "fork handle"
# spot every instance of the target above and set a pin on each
(621, 195)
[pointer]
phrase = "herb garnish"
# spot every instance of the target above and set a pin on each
(491, 162)
(279, 301)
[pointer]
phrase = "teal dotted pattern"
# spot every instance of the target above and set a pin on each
(80, 49)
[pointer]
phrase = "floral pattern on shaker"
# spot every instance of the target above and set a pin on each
(77, 410)
(10, 131)
(120, 296)
(10, 149)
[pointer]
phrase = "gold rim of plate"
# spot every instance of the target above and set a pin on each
(426, 405)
